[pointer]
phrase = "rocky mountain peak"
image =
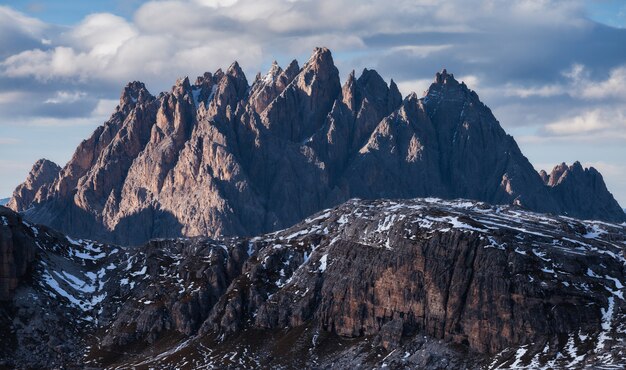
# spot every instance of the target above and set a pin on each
(229, 159)
(181, 86)
(293, 69)
(557, 173)
(394, 98)
(238, 77)
(444, 77)
(300, 110)
(235, 70)
(133, 93)
(579, 188)
(39, 179)
(321, 59)
(348, 91)
(274, 71)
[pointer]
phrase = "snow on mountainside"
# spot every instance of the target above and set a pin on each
(414, 283)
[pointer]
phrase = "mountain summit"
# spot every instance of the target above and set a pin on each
(220, 157)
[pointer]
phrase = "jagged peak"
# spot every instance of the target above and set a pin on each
(411, 100)
(321, 59)
(394, 97)
(273, 73)
(182, 83)
(206, 76)
(348, 91)
(132, 93)
(293, 68)
(43, 162)
(444, 77)
(561, 171)
(235, 70)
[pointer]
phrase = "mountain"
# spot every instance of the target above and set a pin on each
(36, 186)
(221, 157)
(4, 201)
(422, 283)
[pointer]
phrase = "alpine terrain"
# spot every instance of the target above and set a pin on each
(422, 283)
(221, 157)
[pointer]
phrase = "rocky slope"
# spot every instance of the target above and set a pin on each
(220, 157)
(415, 283)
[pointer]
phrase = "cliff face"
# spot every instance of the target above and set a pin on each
(17, 252)
(417, 283)
(220, 157)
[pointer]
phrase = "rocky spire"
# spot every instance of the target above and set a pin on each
(348, 91)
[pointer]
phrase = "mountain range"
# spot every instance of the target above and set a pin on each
(222, 157)
(424, 283)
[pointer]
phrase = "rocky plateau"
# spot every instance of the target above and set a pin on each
(422, 283)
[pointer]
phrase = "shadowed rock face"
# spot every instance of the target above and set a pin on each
(582, 192)
(220, 157)
(17, 252)
(421, 283)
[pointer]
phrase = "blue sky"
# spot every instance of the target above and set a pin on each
(553, 71)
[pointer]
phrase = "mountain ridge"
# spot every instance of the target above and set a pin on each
(220, 157)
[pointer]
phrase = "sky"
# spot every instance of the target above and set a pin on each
(552, 71)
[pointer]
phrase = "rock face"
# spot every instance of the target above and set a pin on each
(421, 283)
(582, 192)
(220, 157)
(17, 252)
(36, 186)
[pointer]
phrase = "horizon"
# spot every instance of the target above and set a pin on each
(69, 63)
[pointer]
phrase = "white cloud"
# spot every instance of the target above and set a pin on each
(65, 97)
(602, 122)
(101, 34)
(216, 3)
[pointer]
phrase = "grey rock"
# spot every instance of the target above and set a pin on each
(220, 157)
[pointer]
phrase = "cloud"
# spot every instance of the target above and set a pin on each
(19, 32)
(578, 84)
(592, 124)
(62, 97)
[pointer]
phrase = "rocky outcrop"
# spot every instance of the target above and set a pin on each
(220, 157)
(36, 186)
(582, 192)
(461, 272)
